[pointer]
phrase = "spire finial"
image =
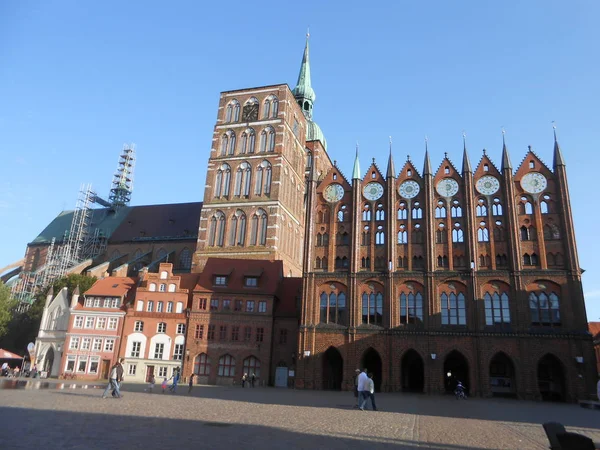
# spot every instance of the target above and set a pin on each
(427, 163)
(408, 158)
(558, 158)
(373, 160)
(307, 33)
(303, 90)
(356, 168)
(464, 135)
(466, 167)
(505, 158)
(554, 130)
(484, 152)
(445, 154)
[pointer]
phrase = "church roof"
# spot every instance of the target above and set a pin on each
(314, 133)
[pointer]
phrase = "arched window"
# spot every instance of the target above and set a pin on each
(497, 207)
(228, 112)
(544, 207)
(268, 177)
(233, 230)
(366, 214)
(324, 263)
(440, 210)
(263, 178)
(318, 263)
(243, 177)
(267, 140)
(456, 210)
(417, 212)
(202, 364)
(258, 232)
(458, 235)
(497, 311)
(308, 159)
(528, 234)
(501, 260)
(411, 308)
(544, 308)
(223, 180)
(379, 236)
(483, 235)
(402, 211)
(333, 308)
(402, 262)
(366, 236)
(372, 308)
(481, 208)
(241, 233)
(224, 144)
(218, 183)
(453, 309)
(440, 235)
(185, 259)
(226, 366)
(271, 107)
(530, 260)
(248, 141)
(418, 263)
(498, 234)
(252, 366)
(442, 261)
(236, 111)
(402, 236)
(267, 108)
(525, 206)
(380, 213)
(217, 230)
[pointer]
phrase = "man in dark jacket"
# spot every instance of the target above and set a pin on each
(114, 379)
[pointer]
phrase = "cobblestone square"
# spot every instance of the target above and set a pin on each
(73, 416)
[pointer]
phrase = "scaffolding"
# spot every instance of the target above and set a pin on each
(82, 241)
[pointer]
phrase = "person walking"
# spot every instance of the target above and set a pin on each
(191, 384)
(164, 385)
(252, 379)
(244, 379)
(363, 392)
(356, 373)
(173, 387)
(151, 382)
(371, 387)
(115, 377)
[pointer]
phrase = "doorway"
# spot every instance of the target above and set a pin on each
(149, 373)
(456, 368)
(551, 379)
(372, 362)
(49, 361)
(104, 369)
(412, 372)
(333, 369)
(281, 376)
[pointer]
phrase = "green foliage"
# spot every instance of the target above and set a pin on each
(24, 327)
(7, 306)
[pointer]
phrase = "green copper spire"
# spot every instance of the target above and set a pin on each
(356, 169)
(303, 92)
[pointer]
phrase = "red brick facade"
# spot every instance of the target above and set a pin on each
(474, 279)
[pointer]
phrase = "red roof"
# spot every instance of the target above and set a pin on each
(594, 328)
(5, 354)
(269, 274)
(112, 286)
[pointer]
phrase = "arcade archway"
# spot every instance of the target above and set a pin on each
(48, 361)
(333, 369)
(412, 372)
(551, 379)
(456, 368)
(372, 362)
(502, 376)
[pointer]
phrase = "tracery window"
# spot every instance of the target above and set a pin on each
(442, 261)
(551, 232)
(544, 308)
(453, 309)
(484, 261)
(525, 206)
(366, 236)
(258, 231)
(481, 208)
(440, 210)
(411, 307)
(223, 180)
(457, 233)
(202, 364)
(267, 140)
(483, 234)
(333, 308)
(226, 366)
(248, 141)
(217, 229)
(379, 236)
(417, 234)
(237, 228)
(530, 260)
(402, 211)
(528, 233)
(497, 311)
(417, 212)
(456, 210)
(501, 260)
(263, 178)
(372, 308)
(185, 259)
(366, 214)
(251, 366)
(497, 207)
(402, 235)
(243, 177)
(271, 107)
(380, 213)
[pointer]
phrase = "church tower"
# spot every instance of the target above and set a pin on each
(255, 184)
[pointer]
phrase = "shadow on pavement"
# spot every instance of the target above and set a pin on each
(34, 428)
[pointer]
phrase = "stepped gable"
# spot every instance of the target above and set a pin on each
(328, 177)
(160, 222)
(541, 166)
(447, 161)
(409, 165)
(269, 274)
(492, 168)
(379, 174)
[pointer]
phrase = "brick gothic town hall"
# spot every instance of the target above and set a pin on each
(424, 275)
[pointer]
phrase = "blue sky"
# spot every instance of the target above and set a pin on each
(77, 80)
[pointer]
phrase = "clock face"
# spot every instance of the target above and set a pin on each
(487, 185)
(409, 189)
(333, 193)
(534, 182)
(373, 191)
(250, 113)
(447, 187)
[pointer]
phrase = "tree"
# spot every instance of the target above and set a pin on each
(24, 327)
(7, 306)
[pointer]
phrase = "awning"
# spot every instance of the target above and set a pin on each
(5, 354)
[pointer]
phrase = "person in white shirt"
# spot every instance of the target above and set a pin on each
(363, 389)
(371, 385)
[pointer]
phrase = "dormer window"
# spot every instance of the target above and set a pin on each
(220, 280)
(251, 282)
